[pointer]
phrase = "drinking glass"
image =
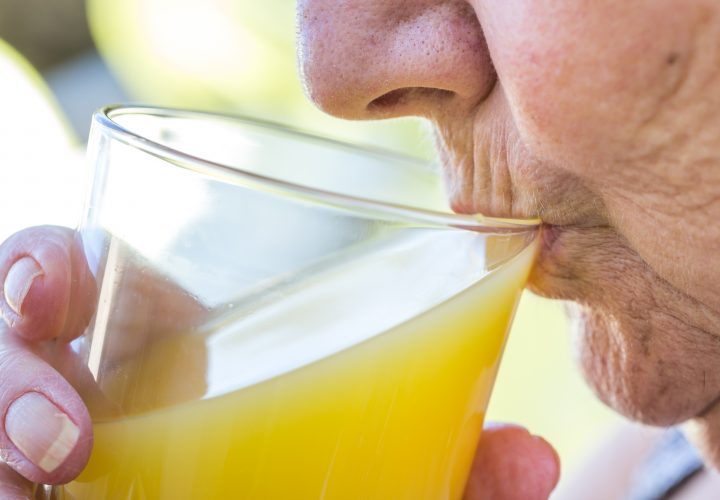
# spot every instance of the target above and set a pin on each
(280, 316)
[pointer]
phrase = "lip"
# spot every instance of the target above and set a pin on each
(550, 233)
(543, 278)
(550, 250)
(558, 272)
(553, 237)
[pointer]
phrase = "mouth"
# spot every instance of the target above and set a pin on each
(554, 276)
(549, 234)
(572, 259)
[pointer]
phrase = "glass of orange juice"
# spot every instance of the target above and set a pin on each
(280, 316)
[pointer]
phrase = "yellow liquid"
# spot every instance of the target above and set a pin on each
(396, 416)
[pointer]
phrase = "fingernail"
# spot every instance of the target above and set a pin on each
(41, 431)
(18, 281)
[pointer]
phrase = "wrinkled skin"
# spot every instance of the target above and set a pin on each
(601, 116)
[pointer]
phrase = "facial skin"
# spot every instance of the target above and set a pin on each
(601, 116)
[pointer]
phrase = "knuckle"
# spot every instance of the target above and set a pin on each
(10, 368)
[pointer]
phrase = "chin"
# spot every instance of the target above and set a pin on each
(636, 338)
(630, 374)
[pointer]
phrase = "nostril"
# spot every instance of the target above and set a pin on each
(400, 97)
(390, 99)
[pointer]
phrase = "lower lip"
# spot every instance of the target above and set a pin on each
(549, 236)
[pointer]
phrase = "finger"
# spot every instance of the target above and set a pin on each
(13, 486)
(510, 464)
(48, 290)
(45, 432)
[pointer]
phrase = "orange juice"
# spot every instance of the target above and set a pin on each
(394, 415)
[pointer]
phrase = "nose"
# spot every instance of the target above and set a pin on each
(367, 59)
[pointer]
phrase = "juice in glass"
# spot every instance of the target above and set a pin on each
(395, 415)
(282, 317)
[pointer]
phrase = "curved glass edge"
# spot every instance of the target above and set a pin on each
(233, 175)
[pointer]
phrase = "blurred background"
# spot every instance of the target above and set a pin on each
(62, 59)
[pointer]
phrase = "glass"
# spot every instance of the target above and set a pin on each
(281, 316)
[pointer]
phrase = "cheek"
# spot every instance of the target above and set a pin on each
(581, 77)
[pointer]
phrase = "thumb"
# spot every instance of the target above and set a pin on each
(510, 464)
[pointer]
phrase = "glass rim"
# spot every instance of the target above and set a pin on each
(473, 222)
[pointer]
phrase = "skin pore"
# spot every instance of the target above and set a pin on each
(598, 115)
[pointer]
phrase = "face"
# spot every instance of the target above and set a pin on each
(601, 116)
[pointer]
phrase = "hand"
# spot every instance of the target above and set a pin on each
(46, 435)
(48, 292)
